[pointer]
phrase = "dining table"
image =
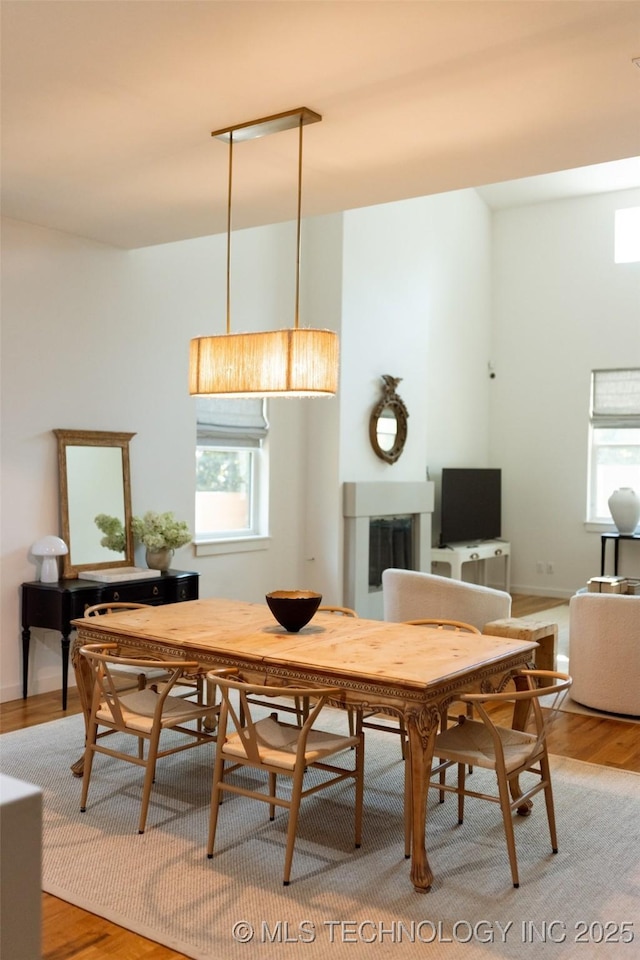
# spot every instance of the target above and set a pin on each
(407, 671)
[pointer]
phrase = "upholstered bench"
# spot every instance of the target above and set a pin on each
(604, 651)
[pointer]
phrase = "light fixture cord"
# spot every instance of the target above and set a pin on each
(229, 232)
(298, 236)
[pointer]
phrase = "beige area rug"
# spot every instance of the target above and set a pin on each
(560, 615)
(342, 903)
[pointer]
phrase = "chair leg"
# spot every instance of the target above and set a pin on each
(444, 722)
(407, 807)
(461, 786)
(505, 806)
(359, 788)
(149, 778)
(403, 738)
(470, 717)
(301, 705)
(88, 763)
(294, 809)
(209, 695)
(548, 799)
(442, 778)
(216, 793)
(272, 793)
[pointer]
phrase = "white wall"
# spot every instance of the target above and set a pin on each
(562, 308)
(321, 306)
(97, 338)
(417, 304)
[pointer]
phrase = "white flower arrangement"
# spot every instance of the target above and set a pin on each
(114, 538)
(153, 530)
(158, 530)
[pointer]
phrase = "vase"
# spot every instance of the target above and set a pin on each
(624, 505)
(159, 559)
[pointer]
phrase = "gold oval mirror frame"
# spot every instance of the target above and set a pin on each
(388, 422)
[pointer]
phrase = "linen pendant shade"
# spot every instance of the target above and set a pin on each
(296, 362)
(293, 362)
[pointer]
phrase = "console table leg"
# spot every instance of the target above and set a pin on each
(64, 644)
(26, 637)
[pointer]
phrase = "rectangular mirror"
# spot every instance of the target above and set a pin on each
(93, 468)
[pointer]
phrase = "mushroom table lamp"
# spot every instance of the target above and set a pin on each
(49, 549)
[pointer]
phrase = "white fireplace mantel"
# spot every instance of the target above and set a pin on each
(361, 503)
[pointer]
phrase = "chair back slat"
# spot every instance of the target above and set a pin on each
(340, 611)
(113, 606)
(244, 720)
(458, 626)
(104, 662)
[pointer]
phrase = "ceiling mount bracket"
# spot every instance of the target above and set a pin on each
(277, 122)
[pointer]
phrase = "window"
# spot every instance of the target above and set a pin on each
(614, 438)
(230, 469)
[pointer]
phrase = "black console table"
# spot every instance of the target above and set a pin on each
(616, 537)
(53, 606)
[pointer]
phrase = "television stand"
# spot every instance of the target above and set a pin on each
(457, 554)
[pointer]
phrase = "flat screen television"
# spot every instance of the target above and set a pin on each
(470, 505)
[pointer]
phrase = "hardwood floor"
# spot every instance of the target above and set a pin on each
(73, 934)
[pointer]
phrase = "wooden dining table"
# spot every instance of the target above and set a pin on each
(402, 670)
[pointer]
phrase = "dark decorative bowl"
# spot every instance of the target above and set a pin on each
(293, 608)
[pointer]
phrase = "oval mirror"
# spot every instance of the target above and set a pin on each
(388, 422)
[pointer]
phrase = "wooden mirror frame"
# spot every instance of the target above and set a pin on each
(93, 438)
(392, 403)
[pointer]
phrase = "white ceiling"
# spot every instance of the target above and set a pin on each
(107, 107)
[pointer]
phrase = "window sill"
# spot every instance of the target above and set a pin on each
(599, 526)
(211, 548)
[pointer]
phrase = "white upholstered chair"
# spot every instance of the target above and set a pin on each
(412, 595)
(604, 651)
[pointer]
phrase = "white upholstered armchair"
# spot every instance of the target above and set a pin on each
(604, 651)
(411, 595)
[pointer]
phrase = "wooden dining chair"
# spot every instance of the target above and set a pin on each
(340, 611)
(457, 626)
(127, 676)
(343, 612)
(145, 714)
(509, 751)
(298, 707)
(377, 720)
(278, 749)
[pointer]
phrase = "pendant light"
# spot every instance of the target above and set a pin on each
(294, 362)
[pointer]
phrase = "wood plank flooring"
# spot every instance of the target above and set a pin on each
(73, 934)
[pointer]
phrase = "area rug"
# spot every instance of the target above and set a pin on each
(342, 903)
(560, 615)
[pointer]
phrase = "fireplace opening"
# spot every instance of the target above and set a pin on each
(390, 545)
